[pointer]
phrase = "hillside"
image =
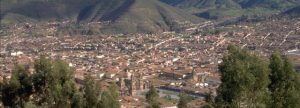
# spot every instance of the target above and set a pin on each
(126, 16)
(294, 12)
(41, 9)
(136, 16)
(218, 9)
(202, 4)
(273, 4)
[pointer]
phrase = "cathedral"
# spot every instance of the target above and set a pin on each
(132, 83)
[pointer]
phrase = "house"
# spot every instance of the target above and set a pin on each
(109, 75)
(111, 72)
(173, 75)
(177, 74)
(16, 53)
(101, 75)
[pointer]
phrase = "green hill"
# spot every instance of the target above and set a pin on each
(274, 4)
(136, 16)
(43, 9)
(218, 9)
(294, 12)
(126, 16)
(202, 4)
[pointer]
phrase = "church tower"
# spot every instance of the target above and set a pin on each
(194, 75)
(133, 85)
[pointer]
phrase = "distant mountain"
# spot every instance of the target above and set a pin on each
(136, 15)
(218, 9)
(42, 9)
(203, 4)
(126, 16)
(274, 4)
(294, 12)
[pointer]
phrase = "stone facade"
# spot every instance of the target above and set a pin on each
(130, 86)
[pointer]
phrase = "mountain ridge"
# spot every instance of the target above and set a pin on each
(218, 9)
(126, 16)
(293, 12)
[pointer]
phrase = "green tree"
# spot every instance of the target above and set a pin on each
(52, 85)
(61, 85)
(209, 101)
(277, 80)
(78, 101)
(284, 85)
(41, 79)
(26, 87)
(30, 105)
(91, 91)
(244, 79)
(155, 105)
(183, 101)
(18, 89)
(10, 96)
(114, 92)
(292, 87)
(109, 98)
(152, 96)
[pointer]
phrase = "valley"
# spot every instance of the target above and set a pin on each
(186, 61)
(169, 48)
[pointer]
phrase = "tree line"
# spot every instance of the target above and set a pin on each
(152, 98)
(251, 81)
(52, 85)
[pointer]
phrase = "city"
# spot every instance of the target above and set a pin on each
(170, 61)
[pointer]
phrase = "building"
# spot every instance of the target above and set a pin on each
(130, 86)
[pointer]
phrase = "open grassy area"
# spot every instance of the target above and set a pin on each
(170, 99)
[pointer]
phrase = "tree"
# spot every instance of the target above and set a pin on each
(1, 92)
(277, 80)
(155, 105)
(106, 100)
(30, 105)
(41, 79)
(292, 87)
(18, 89)
(52, 85)
(10, 96)
(78, 101)
(114, 92)
(109, 99)
(183, 101)
(284, 85)
(244, 79)
(91, 91)
(61, 84)
(209, 101)
(152, 96)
